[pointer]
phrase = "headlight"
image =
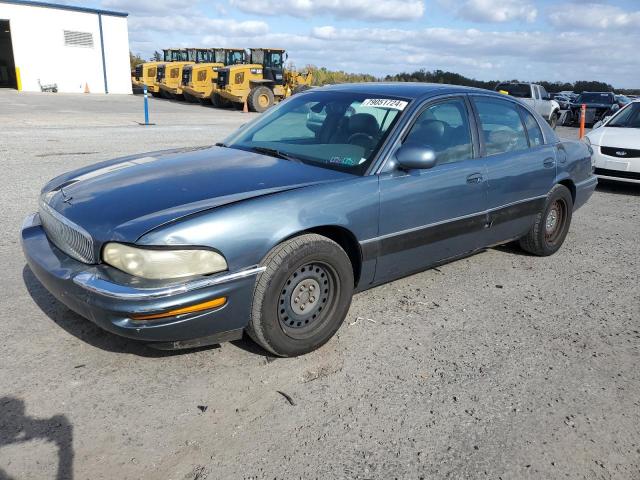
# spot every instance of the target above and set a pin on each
(162, 263)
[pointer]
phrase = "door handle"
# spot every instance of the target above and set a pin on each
(549, 162)
(474, 178)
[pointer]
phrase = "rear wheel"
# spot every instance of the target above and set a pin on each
(302, 297)
(551, 225)
(260, 98)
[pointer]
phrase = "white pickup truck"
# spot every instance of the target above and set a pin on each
(536, 96)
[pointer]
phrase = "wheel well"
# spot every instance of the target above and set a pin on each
(571, 186)
(346, 240)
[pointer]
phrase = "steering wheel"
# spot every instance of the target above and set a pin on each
(368, 139)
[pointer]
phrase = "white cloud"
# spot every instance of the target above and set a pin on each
(342, 9)
(593, 16)
(487, 54)
(194, 25)
(490, 11)
(145, 6)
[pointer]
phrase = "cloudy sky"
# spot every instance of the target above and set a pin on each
(486, 39)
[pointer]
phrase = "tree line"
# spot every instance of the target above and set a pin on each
(324, 76)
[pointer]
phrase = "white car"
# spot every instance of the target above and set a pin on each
(616, 145)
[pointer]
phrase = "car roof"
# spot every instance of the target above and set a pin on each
(410, 90)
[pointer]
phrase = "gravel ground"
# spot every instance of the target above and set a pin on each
(501, 365)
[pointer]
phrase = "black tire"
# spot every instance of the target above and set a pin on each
(190, 98)
(219, 101)
(551, 225)
(296, 269)
(156, 94)
(300, 89)
(553, 123)
(260, 98)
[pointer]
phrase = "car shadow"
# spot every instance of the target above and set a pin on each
(86, 330)
(618, 188)
(512, 248)
(16, 427)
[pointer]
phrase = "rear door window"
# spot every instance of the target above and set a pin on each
(501, 127)
(533, 129)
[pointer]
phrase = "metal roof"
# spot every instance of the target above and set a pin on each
(407, 89)
(29, 3)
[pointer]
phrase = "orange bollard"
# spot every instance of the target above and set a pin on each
(245, 107)
(583, 115)
(86, 87)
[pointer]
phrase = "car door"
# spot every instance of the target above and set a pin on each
(520, 166)
(544, 108)
(535, 94)
(433, 214)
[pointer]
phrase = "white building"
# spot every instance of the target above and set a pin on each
(78, 49)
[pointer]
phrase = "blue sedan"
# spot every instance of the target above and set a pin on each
(270, 233)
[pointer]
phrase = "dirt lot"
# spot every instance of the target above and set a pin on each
(502, 365)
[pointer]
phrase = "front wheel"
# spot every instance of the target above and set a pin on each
(260, 98)
(302, 297)
(219, 101)
(551, 225)
(553, 122)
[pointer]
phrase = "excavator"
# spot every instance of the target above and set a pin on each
(145, 73)
(199, 81)
(261, 82)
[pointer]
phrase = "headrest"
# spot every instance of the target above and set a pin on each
(431, 129)
(363, 123)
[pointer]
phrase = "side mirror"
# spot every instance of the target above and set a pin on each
(615, 107)
(416, 157)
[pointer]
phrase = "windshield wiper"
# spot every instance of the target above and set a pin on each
(220, 144)
(275, 153)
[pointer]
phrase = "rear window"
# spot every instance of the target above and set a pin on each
(595, 98)
(520, 90)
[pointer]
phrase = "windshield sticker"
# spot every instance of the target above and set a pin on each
(385, 103)
(342, 161)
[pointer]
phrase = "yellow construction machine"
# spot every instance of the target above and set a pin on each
(145, 73)
(169, 76)
(199, 80)
(261, 82)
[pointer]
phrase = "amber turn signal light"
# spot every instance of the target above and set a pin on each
(199, 307)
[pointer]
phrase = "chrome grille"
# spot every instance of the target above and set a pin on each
(66, 235)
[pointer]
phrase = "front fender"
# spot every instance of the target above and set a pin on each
(245, 231)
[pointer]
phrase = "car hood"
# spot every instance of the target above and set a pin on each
(123, 199)
(615, 137)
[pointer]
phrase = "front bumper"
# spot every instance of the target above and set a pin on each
(584, 190)
(98, 293)
(616, 168)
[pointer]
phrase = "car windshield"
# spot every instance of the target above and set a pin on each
(336, 130)
(519, 90)
(628, 117)
(595, 98)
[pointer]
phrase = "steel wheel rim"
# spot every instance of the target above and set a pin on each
(554, 221)
(263, 100)
(303, 310)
